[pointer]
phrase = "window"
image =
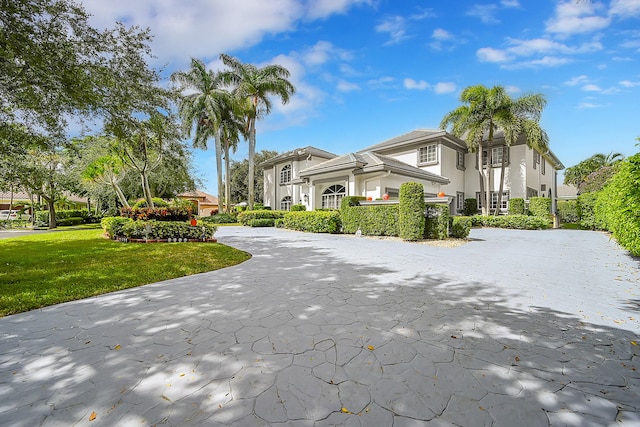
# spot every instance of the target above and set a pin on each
(543, 166)
(504, 205)
(496, 156)
(428, 154)
(460, 159)
(531, 192)
(332, 197)
(536, 158)
(285, 203)
(543, 187)
(285, 175)
(459, 201)
(393, 193)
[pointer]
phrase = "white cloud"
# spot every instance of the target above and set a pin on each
(395, 26)
(489, 54)
(510, 3)
(385, 82)
(325, 8)
(629, 83)
(546, 61)
(444, 87)
(345, 86)
(577, 80)
(591, 88)
(576, 18)
(485, 12)
(512, 89)
(441, 34)
(411, 84)
(322, 52)
(586, 104)
(625, 8)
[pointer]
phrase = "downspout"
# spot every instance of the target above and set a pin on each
(276, 183)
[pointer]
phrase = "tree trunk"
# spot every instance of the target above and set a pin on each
(489, 168)
(52, 212)
(218, 164)
(483, 182)
(227, 185)
(120, 194)
(252, 154)
(502, 168)
(146, 189)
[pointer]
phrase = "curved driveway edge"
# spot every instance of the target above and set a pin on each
(514, 328)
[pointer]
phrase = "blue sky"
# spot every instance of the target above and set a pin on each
(369, 70)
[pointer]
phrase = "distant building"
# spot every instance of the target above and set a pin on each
(204, 204)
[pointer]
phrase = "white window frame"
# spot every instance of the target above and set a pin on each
(332, 196)
(496, 156)
(460, 159)
(285, 203)
(428, 155)
(459, 201)
(494, 200)
(285, 175)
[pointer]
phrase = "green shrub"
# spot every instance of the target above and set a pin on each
(568, 211)
(521, 222)
(587, 211)
(42, 217)
(436, 221)
(157, 203)
(314, 221)
(220, 219)
(74, 220)
(262, 222)
(279, 223)
(260, 207)
(411, 211)
(618, 205)
(540, 206)
(246, 216)
(516, 206)
(112, 225)
(460, 226)
(470, 207)
(165, 230)
(348, 201)
(298, 208)
(171, 213)
(376, 220)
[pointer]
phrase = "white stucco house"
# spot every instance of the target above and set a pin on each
(438, 160)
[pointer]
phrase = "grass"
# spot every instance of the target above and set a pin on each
(45, 269)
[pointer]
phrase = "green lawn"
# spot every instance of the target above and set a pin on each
(46, 269)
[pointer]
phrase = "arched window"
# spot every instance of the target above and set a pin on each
(332, 197)
(285, 203)
(285, 174)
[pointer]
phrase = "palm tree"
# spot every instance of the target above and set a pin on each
(201, 106)
(256, 85)
(231, 127)
(487, 111)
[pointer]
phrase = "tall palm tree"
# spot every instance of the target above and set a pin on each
(487, 111)
(256, 85)
(231, 127)
(203, 102)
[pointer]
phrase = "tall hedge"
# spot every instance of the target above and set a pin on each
(377, 220)
(587, 211)
(313, 221)
(516, 206)
(618, 205)
(568, 211)
(436, 222)
(411, 211)
(470, 207)
(540, 206)
(245, 217)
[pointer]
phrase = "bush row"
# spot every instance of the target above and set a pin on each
(377, 220)
(313, 221)
(568, 211)
(65, 217)
(127, 227)
(436, 224)
(220, 219)
(460, 226)
(521, 222)
(245, 216)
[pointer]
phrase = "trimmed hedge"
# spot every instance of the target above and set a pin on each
(74, 220)
(314, 221)
(470, 207)
(540, 207)
(587, 211)
(520, 222)
(171, 213)
(112, 225)
(245, 216)
(42, 217)
(157, 202)
(618, 205)
(411, 211)
(165, 230)
(516, 206)
(298, 208)
(262, 222)
(436, 222)
(460, 226)
(220, 219)
(568, 211)
(376, 220)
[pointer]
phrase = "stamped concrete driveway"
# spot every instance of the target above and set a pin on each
(515, 328)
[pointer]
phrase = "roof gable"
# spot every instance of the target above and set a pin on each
(298, 154)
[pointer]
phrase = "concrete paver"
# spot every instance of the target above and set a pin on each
(514, 328)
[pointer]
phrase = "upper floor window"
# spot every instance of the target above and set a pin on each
(543, 168)
(428, 154)
(459, 201)
(460, 159)
(285, 203)
(536, 159)
(285, 174)
(496, 156)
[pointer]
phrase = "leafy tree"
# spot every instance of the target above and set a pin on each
(256, 85)
(578, 175)
(487, 111)
(239, 172)
(203, 107)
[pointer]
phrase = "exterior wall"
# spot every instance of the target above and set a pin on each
(274, 192)
(449, 169)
